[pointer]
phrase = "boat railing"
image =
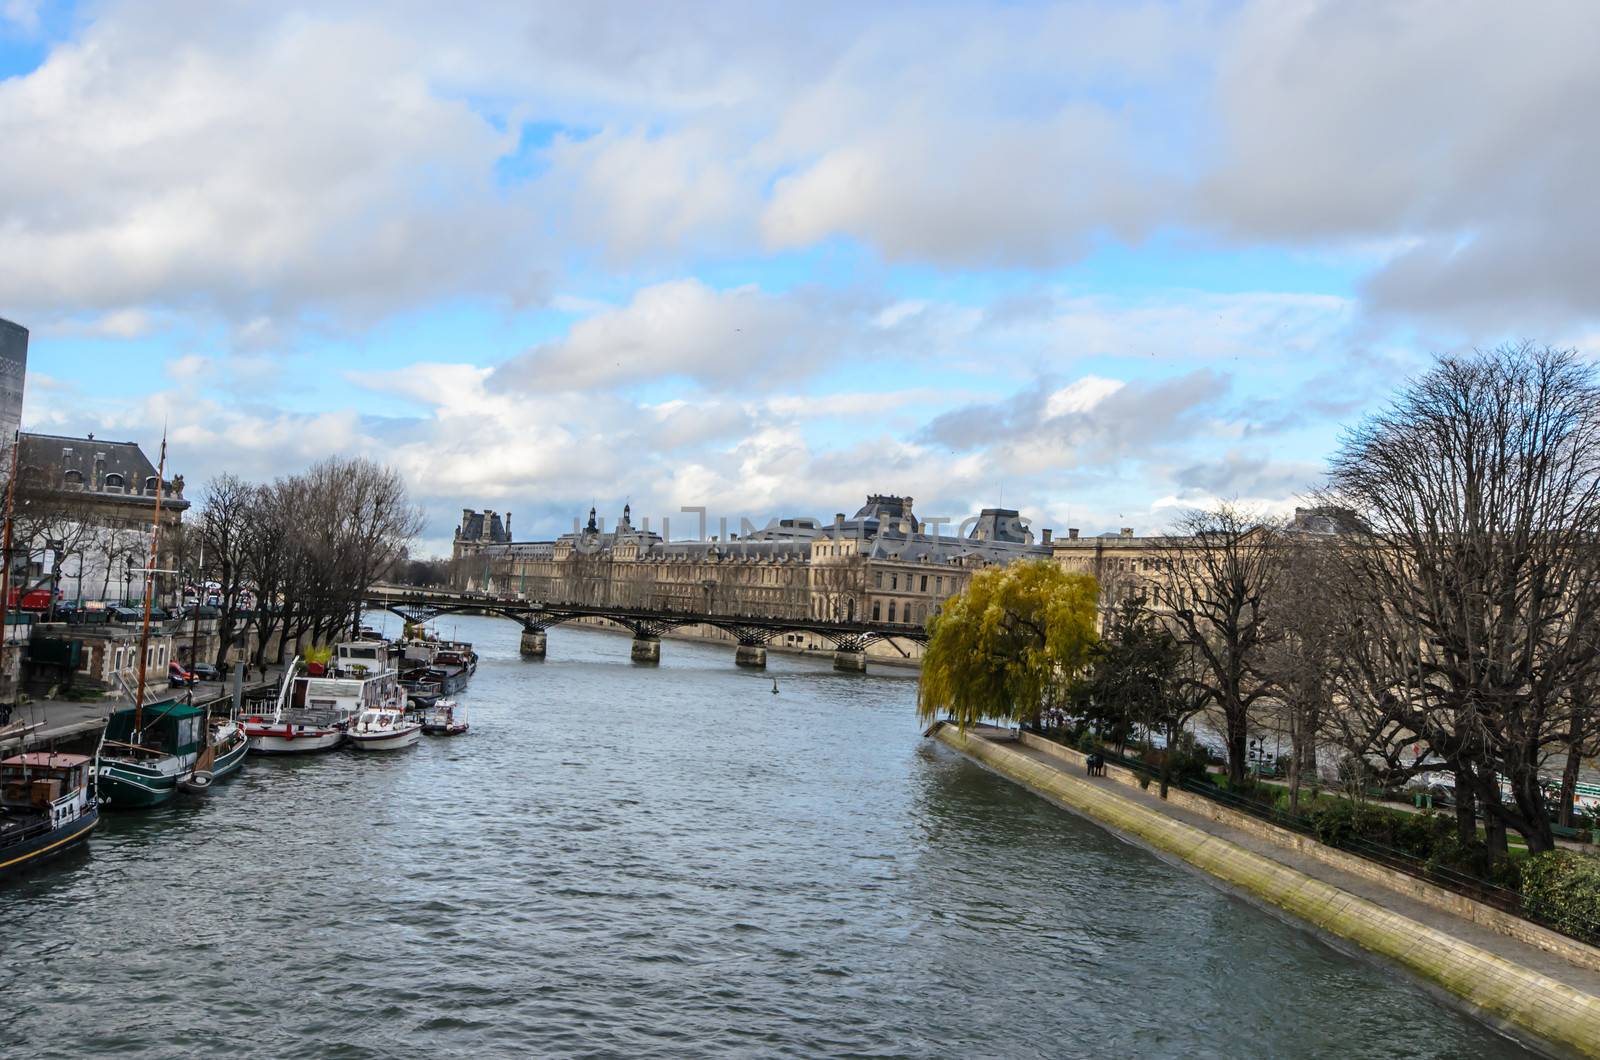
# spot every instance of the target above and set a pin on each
(300, 716)
(18, 835)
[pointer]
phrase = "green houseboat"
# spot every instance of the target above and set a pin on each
(145, 752)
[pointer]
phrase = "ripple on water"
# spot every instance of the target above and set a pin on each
(666, 861)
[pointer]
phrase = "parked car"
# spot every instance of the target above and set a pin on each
(206, 672)
(178, 677)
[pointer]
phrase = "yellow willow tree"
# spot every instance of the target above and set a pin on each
(1009, 646)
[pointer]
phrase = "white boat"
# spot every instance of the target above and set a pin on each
(314, 713)
(445, 718)
(384, 729)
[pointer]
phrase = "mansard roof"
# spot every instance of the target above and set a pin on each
(90, 462)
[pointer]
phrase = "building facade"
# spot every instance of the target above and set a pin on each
(881, 566)
(85, 527)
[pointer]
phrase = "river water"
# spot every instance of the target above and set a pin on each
(626, 860)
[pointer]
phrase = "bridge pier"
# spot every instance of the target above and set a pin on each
(533, 643)
(854, 662)
(751, 655)
(646, 649)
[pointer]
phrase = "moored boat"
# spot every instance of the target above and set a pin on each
(45, 808)
(450, 663)
(384, 729)
(226, 748)
(445, 718)
(315, 713)
(146, 748)
(145, 751)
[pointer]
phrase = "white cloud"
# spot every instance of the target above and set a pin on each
(685, 329)
(24, 14)
(1080, 396)
(264, 167)
(1454, 126)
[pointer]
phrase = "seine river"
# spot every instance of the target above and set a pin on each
(666, 861)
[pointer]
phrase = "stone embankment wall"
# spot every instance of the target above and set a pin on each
(1423, 891)
(1503, 989)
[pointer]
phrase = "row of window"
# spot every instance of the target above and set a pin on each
(914, 582)
(905, 612)
(127, 657)
(113, 480)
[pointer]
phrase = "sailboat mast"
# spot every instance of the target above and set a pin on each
(149, 587)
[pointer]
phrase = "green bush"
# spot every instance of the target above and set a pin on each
(1562, 888)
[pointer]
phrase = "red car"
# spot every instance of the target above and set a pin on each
(178, 677)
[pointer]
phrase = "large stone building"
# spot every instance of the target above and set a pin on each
(91, 503)
(881, 565)
(1128, 565)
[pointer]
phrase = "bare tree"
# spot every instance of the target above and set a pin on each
(1215, 574)
(1302, 657)
(1480, 492)
(54, 517)
(225, 516)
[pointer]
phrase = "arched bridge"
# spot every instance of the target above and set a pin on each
(753, 632)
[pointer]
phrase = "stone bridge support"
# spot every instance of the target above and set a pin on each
(847, 660)
(752, 650)
(850, 655)
(533, 643)
(646, 649)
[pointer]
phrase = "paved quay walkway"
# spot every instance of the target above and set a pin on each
(49, 722)
(1552, 993)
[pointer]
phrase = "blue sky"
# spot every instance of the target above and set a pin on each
(1101, 261)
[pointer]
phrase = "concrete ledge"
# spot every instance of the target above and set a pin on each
(1488, 916)
(1532, 1002)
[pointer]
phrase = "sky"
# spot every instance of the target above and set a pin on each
(1097, 262)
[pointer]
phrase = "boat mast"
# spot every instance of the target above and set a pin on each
(149, 587)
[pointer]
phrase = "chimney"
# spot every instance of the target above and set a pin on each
(508, 526)
(1127, 531)
(1047, 533)
(1072, 533)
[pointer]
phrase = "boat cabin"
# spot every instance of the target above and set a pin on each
(169, 728)
(344, 696)
(361, 657)
(43, 784)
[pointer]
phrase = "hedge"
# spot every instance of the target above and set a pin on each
(1562, 888)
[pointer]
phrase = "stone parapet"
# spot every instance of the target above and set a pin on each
(1494, 985)
(1449, 901)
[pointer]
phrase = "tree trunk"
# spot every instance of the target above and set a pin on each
(1238, 738)
(1569, 774)
(1466, 806)
(1494, 821)
(1529, 797)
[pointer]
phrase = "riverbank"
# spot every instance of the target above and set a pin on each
(1544, 987)
(69, 724)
